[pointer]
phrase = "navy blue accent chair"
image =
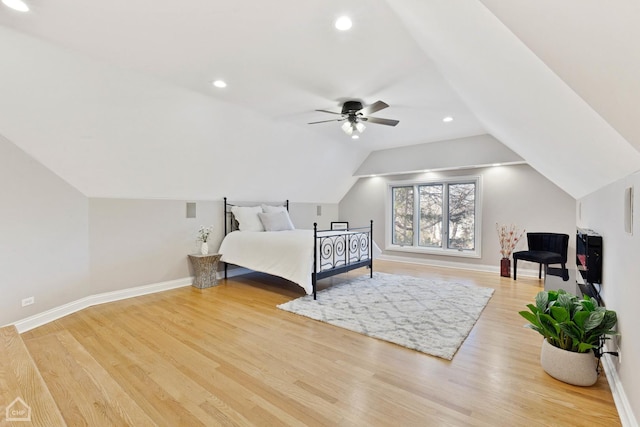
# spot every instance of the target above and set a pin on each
(545, 249)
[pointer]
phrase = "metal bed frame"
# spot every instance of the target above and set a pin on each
(334, 252)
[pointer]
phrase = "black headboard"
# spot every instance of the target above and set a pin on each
(230, 223)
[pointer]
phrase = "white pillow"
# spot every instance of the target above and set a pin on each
(247, 217)
(276, 221)
(271, 209)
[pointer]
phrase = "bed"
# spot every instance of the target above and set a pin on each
(272, 245)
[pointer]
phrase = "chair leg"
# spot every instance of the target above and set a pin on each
(540, 271)
(565, 273)
(515, 268)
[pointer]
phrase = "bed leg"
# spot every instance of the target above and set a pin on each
(314, 275)
(314, 281)
(225, 270)
(371, 249)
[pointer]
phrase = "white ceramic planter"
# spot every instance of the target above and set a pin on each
(569, 367)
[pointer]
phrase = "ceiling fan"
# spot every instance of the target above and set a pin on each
(353, 115)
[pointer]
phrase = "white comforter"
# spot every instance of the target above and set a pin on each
(287, 254)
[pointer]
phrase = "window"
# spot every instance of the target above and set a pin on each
(439, 216)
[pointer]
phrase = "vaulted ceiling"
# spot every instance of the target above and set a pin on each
(116, 97)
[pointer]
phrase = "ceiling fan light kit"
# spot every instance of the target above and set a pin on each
(350, 127)
(347, 128)
(353, 114)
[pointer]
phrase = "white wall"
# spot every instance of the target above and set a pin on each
(473, 151)
(139, 242)
(304, 215)
(44, 240)
(602, 211)
(510, 194)
(58, 246)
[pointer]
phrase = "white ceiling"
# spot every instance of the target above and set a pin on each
(591, 44)
(115, 97)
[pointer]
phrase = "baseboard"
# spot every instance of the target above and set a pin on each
(627, 418)
(72, 307)
(455, 264)
(56, 313)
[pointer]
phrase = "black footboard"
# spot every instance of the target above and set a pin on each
(336, 252)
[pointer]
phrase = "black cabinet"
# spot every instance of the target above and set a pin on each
(589, 260)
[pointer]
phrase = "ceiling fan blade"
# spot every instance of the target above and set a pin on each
(330, 112)
(387, 122)
(325, 121)
(376, 106)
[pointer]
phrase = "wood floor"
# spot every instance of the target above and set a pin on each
(21, 382)
(227, 356)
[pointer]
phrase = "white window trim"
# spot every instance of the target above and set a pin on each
(477, 253)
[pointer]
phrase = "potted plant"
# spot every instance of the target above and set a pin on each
(574, 330)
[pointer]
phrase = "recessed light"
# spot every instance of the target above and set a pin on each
(354, 136)
(217, 83)
(18, 5)
(343, 23)
(447, 119)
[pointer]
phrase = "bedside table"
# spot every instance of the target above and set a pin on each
(206, 270)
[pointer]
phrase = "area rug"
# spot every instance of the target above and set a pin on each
(431, 316)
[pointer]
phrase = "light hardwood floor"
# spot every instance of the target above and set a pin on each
(20, 379)
(227, 356)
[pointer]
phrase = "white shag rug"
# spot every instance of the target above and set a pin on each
(430, 316)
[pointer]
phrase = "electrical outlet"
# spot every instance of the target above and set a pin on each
(28, 301)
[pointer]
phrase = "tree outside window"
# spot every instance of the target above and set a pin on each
(431, 215)
(403, 216)
(435, 215)
(462, 214)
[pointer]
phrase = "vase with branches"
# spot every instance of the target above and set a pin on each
(203, 236)
(508, 236)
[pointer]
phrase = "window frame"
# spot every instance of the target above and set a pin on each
(476, 253)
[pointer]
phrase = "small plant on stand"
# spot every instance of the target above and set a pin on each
(508, 236)
(203, 236)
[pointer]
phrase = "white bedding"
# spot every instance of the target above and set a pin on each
(287, 254)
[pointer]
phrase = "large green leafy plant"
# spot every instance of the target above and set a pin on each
(570, 323)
